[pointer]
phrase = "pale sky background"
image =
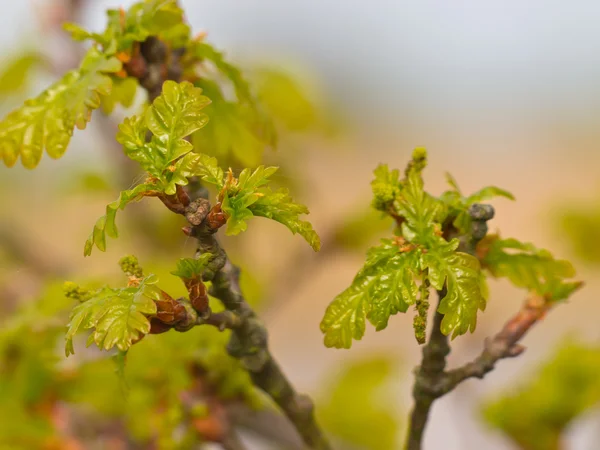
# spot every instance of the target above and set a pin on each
(487, 66)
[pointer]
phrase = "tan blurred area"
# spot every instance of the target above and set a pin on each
(547, 154)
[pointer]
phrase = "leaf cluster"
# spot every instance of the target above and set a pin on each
(118, 317)
(426, 252)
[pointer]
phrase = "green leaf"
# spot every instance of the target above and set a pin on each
(188, 268)
(106, 224)
(236, 137)
(529, 267)
(47, 121)
(205, 51)
(383, 287)
(355, 401)
(280, 207)
(207, 168)
(177, 113)
(123, 93)
(249, 196)
(173, 116)
(242, 193)
(460, 273)
(118, 317)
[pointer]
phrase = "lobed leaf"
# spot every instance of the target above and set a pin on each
(118, 317)
(529, 267)
(280, 207)
(460, 274)
(383, 287)
(173, 116)
(47, 121)
(106, 224)
(249, 196)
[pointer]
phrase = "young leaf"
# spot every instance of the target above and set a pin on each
(119, 317)
(383, 287)
(175, 114)
(106, 224)
(242, 193)
(280, 207)
(47, 121)
(529, 267)
(249, 196)
(460, 273)
(188, 268)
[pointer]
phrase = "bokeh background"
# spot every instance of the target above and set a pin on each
(499, 92)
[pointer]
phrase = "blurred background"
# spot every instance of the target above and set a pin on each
(504, 93)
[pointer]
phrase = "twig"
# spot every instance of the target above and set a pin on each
(505, 344)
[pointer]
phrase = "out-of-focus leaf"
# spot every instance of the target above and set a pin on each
(580, 225)
(15, 75)
(536, 414)
(47, 121)
(286, 100)
(361, 227)
(122, 93)
(106, 225)
(529, 267)
(354, 408)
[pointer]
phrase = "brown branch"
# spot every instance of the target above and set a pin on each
(505, 344)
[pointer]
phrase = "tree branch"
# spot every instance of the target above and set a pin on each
(505, 344)
(249, 337)
(431, 380)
